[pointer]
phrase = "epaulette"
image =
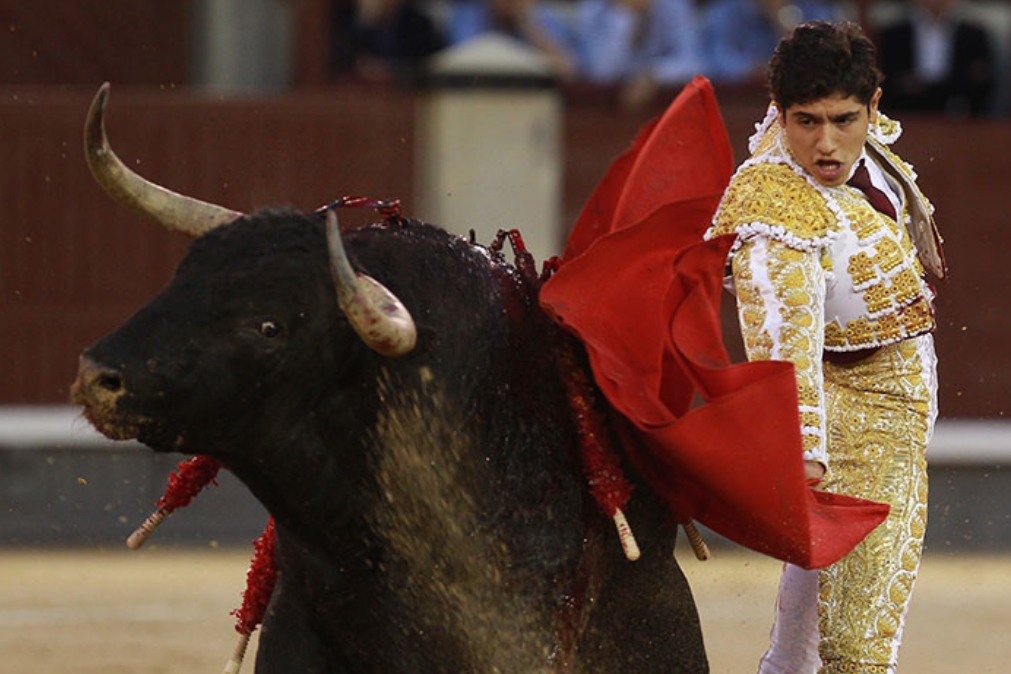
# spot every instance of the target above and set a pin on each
(771, 199)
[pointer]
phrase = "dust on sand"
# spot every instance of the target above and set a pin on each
(166, 611)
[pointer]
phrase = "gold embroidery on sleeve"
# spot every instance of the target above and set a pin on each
(781, 317)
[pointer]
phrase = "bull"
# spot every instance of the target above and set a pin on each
(391, 395)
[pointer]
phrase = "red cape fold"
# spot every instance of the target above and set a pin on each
(641, 289)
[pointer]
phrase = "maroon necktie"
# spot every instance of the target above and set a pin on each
(862, 181)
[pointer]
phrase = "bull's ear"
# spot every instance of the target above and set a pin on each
(173, 211)
(375, 313)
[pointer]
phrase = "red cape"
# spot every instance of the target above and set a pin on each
(641, 289)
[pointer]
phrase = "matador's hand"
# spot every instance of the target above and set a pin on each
(814, 472)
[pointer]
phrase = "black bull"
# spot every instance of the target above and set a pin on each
(430, 508)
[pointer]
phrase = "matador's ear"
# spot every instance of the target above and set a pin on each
(872, 106)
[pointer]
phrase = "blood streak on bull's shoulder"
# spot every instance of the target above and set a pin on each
(598, 454)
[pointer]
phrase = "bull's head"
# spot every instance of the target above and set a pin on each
(375, 314)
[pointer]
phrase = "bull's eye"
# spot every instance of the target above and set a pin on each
(270, 329)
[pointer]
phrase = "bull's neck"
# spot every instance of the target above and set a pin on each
(305, 475)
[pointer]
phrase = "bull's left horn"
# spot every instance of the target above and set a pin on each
(379, 318)
(172, 210)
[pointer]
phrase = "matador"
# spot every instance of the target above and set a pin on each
(828, 268)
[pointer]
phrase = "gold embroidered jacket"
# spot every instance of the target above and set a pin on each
(818, 268)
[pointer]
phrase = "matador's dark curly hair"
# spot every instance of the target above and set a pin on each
(823, 58)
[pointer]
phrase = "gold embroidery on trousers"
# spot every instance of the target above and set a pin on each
(879, 413)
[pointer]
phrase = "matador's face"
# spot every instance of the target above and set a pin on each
(826, 136)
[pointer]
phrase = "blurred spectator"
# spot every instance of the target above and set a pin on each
(528, 21)
(739, 36)
(377, 38)
(936, 60)
(640, 44)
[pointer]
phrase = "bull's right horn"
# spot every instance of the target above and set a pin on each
(379, 318)
(174, 211)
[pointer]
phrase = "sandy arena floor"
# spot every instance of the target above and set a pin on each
(163, 611)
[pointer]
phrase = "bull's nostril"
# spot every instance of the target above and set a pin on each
(97, 382)
(110, 381)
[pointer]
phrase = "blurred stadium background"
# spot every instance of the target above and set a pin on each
(233, 102)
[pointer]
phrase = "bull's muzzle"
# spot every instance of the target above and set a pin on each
(98, 390)
(96, 383)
